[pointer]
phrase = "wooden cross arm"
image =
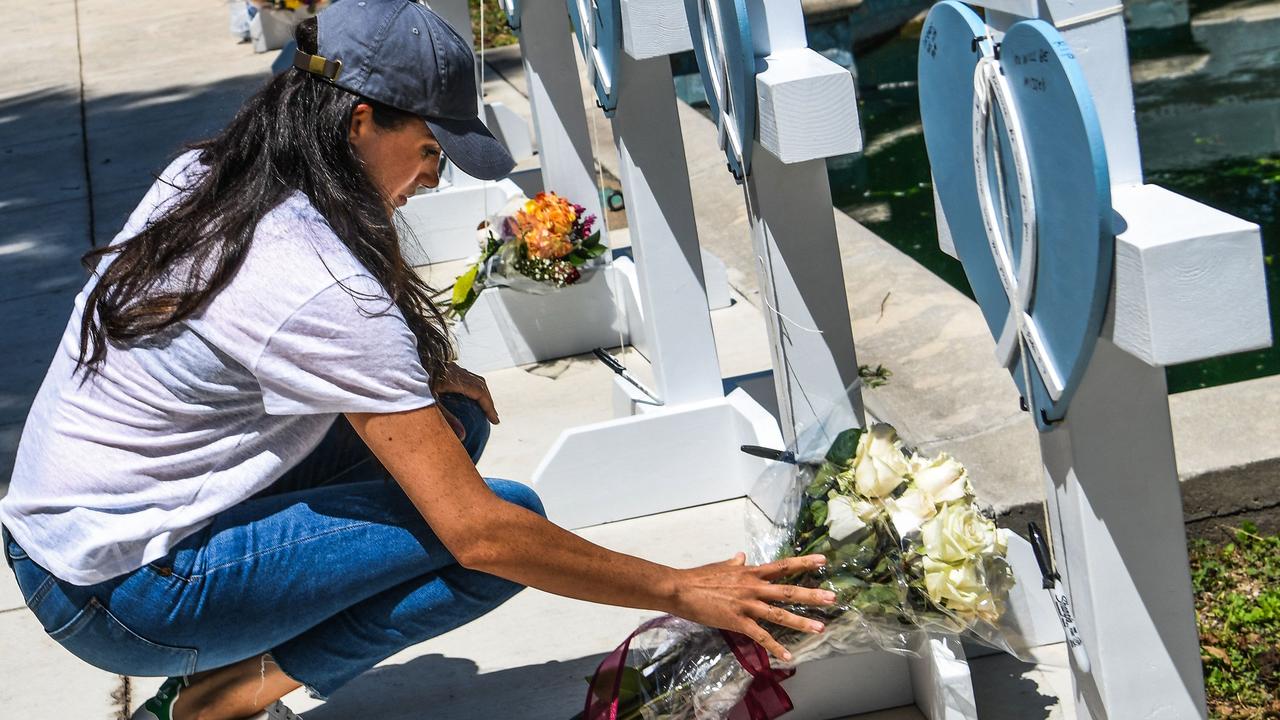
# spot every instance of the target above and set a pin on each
(654, 28)
(1189, 279)
(807, 105)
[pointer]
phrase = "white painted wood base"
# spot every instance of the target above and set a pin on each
(852, 684)
(937, 682)
(442, 222)
(506, 328)
(941, 682)
(665, 459)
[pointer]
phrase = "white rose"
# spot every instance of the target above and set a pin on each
(958, 533)
(910, 510)
(959, 587)
(845, 516)
(882, 442)
(875, 478)
(943, 477)
(842, 521)
(867, 510)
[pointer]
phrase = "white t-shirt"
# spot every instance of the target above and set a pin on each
(114, 471)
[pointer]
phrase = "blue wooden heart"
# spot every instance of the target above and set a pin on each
(598, 27)
(726, 60)
(1021, 174)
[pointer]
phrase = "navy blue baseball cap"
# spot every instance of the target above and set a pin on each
(403, 54)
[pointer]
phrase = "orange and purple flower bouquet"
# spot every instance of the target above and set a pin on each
(535, 245)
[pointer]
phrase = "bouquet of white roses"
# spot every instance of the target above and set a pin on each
(908, 551)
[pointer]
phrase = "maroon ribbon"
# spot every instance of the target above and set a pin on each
(606, 683)
(765, 699)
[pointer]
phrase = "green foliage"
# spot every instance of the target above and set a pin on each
(465, 292)
(590, 249)
(496, 31)
(844, 448)
(1238, 611)
(823, 480)
(874, 378)
(1265, 170)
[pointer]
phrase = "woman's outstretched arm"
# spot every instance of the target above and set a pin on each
(485, 533)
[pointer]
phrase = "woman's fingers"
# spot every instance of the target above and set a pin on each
(764, 640)
(478, 390)
(794, 595)
(778, 616)
(790, 566)
(469, 385)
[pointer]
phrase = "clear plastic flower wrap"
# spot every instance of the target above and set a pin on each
(910, 554)
(535, 245)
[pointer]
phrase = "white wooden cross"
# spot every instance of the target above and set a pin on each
(683, 452)
(807, 112)
(1187, 285)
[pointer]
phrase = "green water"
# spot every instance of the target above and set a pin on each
(1233, 166)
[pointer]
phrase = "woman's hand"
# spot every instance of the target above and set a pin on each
(735, 596)
(456, 379)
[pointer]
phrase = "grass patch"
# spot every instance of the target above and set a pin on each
(1237, 589)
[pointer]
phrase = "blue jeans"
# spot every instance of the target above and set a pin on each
(330, 570)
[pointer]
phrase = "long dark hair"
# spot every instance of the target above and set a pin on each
(290, 136)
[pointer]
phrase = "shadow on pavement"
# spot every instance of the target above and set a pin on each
(446, 688)
(45, 223)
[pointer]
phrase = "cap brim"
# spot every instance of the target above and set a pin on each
(469, 145)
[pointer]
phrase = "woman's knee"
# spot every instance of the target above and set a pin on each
(517, 493)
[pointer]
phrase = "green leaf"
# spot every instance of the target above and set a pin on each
(490, 247)
(845, 447)
(592, 240)
(462, 287)
(465, 292)
(818, 512)
(823, 481)
(633, 685)
(596, 251)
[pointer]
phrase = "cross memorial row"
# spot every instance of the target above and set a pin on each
(1078, 267)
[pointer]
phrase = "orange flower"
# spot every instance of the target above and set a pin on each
(545, 224)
